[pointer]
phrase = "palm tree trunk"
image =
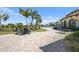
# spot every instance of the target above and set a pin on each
(31, 22)
(0, 24)
(36, 25)
(26, 22)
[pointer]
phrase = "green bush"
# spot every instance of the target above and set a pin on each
(72, 42)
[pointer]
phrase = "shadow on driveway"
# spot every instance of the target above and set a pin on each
(57, 46)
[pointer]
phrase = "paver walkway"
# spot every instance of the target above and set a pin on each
(48, 41)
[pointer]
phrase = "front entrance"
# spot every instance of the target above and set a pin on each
(65, 24)
(72, 24)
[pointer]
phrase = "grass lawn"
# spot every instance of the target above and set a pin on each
(72, 41)
(75, 34)
(40, 30)
(5, 32)
(2, 33)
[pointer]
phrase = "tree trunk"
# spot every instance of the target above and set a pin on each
(0, 24)
(31, 24)
(36, 25)
(27, 26)
(26, 22)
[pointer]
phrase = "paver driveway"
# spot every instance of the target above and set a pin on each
(48, 41)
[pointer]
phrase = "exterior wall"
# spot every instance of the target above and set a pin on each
(67, 23)
(73, 15)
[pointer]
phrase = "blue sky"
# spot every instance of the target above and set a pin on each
(48, 14)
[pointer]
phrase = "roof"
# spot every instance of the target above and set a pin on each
(73, 13)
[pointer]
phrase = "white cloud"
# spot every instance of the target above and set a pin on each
(7, 10)
(46, 21)
(57, 18)
(50, 19)
(14, 17)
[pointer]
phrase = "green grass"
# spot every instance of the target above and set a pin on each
(11, 32)
(40, 30)
(2, 33)
(72, 41)
(75, 34)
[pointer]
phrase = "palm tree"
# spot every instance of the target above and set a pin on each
(38, 21)
(25, 13)
(3, 17)
(33, 16)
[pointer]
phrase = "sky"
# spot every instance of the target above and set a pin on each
(48, 14)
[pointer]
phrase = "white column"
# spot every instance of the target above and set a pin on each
(77, 24)
(67, 23)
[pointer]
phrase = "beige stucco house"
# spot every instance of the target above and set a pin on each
(71, 20)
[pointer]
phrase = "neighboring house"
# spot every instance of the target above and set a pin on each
(70, 21)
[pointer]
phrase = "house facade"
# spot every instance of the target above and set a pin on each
(71, 20)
